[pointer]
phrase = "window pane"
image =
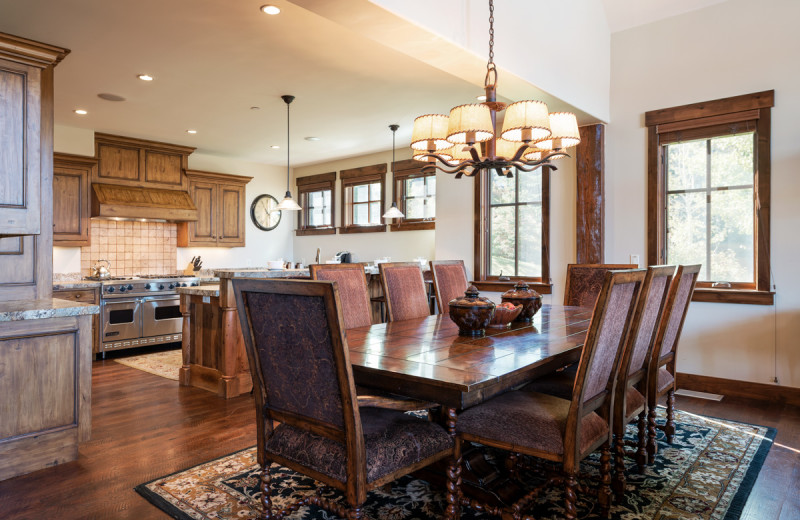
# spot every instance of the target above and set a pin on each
(360, 193)
(501, 188)
(501, 241)
(686, 163)
(530, 186)
(686, 230)
(530, 240)
(415, 187)
(315, 217)
(360, 214)
(374, 212)
(732, 236)
(732, 160)
(326, 199)
(430, 207)
(375, 191)
(430, 182)
(415, 208)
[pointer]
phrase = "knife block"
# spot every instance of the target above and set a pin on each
(189, 270)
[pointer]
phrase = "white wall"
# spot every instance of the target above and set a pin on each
(736, 47)
(398, 245)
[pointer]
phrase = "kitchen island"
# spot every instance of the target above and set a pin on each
(214, 358)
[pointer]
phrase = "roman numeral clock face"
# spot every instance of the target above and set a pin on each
(263, 212)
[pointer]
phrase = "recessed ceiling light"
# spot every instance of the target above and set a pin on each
(191, 131)
(275, 147)
(145, 77)
(80, 111)
(270, 9)
(310, 138)
(255, 108)
(481, 98)
(110, 97)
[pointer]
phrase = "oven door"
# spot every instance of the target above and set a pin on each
(161, 315)
(121, 320)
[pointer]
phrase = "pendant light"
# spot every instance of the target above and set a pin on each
(393, 212)
(288, 203)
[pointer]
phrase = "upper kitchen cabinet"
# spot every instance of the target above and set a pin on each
(138, 162)
(26, 119)
(71, 175)
(220, 201)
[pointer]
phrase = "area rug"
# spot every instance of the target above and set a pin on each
(165, 364)
(707, 473)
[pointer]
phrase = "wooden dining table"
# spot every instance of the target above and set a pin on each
(427, 359)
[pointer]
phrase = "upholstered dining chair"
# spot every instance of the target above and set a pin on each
(353, 291)
(404, 290)
(631, 387)
(299, 362)
(661, 368)
(449, 282)
(564, 430)
(585, 280)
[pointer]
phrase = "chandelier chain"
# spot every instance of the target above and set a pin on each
(491, 70)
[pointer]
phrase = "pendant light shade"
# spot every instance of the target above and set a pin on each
(288, 202)
(394, 211)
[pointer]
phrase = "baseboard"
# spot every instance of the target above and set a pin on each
(734, 388)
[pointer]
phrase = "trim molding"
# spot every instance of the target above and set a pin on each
(734, 388)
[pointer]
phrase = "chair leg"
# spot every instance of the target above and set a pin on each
(604, 493)
(266, 499)
(453, 510)
(618, 482)
(669, 427)
(570, 498)
(651, 434)
(641, 448)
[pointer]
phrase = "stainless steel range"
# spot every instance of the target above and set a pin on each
(140, 311)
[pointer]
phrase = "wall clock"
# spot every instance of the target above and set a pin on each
(263, 212)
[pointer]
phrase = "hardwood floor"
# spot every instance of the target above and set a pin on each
(145, 426)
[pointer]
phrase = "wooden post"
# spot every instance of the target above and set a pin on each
(590, 206)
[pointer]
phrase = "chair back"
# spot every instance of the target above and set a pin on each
(605, 339)
(449, 282)
(352, 282)
(404, 290)
(298, 358)
(584, 282)
(680, 295)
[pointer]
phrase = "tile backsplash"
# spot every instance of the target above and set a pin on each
(133, 248)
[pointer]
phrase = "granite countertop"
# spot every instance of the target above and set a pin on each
(77, 284)
(260, 272)
(200, 290)
(17, 310)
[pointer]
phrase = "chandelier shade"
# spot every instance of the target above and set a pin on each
(506, 149)
(565, 133)
(430, 133)
(470, 124)
(526, 121)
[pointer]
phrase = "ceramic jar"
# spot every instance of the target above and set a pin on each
(472, 313)
(521, 294)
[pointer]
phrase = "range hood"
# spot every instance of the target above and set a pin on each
(112, 201)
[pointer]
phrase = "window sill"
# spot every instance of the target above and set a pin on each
(413, 225)
(362, 229)
(733, 296)
(495, 286)
(316, 231)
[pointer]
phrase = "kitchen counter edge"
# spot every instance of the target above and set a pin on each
(19, 310)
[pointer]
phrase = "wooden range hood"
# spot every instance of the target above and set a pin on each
(132, 202)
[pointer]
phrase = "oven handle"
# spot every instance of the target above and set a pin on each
(163, 297)
(109, 302)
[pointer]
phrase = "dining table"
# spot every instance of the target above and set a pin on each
(427, 359)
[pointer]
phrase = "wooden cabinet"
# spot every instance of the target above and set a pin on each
(91, 295)
(71, 175)
(220, 201)
(137, 162)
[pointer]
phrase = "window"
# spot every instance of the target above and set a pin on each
(709, 191)
(415, 195)
(512, 229)
(362, 193)
(315, 195)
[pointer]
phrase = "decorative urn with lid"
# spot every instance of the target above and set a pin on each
(472, 313)
(521, 294)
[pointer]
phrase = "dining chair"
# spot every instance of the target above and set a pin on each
(404, 290)
(564, 430)
(631, 386)
(449, 282)
(585, 280)
(661, 365)
(353, 291)
(303, 380)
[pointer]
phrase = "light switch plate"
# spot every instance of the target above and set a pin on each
(635, 260)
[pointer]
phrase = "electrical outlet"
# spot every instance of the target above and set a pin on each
(635, 260)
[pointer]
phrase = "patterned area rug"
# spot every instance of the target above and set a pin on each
(164, 364)
(707, 473)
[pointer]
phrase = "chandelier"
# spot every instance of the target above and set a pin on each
(530, 137)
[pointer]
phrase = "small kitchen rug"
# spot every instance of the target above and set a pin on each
(166, 363)
(707, 473)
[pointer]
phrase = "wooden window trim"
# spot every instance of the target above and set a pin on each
(747, 112)
(481, 230)
(356, 177)
(312, 183)
(402, 171)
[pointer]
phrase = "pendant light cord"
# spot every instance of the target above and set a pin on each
(288, 144)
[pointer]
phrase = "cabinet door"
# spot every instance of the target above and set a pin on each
(163, 169)
(70, 203)
(20, 159)
(117, 163)
(204, 230)
(231, 215)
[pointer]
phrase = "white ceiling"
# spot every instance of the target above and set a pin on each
(214, 59)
